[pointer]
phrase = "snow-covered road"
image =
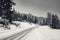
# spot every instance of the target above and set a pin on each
(36, 33)
(43, 33)
(19, 35)
(29, 31)
(4, 34)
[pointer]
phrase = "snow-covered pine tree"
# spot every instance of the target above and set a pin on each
(5, 9)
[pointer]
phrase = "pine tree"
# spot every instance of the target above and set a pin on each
(5, 7)
(1, 7)
(55, 21)
(35, 20)
(25, 17)
(49, 18)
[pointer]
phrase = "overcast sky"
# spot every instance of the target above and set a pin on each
(38, 7)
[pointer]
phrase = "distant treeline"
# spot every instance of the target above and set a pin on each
(52, 19)
(16, 16)
(7, 15)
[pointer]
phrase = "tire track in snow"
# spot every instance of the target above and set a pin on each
(19, 35)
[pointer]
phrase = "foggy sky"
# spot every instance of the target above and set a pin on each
(38, 7)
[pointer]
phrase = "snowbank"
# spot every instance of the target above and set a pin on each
(15, 29)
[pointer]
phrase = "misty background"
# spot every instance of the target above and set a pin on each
(38, 7)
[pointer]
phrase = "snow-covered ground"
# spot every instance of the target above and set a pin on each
(43, 33)
(15, 29)
(39, 33)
